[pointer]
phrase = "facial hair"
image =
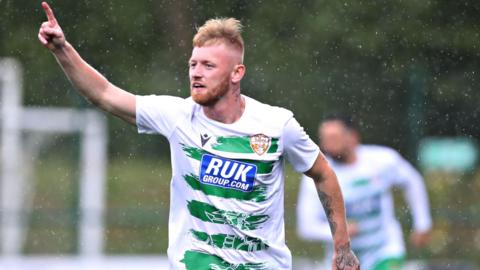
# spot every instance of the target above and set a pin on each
(212, 96)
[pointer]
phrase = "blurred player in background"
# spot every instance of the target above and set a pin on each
(227, 152)
(367, 174)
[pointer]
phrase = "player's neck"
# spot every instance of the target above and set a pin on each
(228, 109)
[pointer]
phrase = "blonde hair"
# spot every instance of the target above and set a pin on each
(226, 30)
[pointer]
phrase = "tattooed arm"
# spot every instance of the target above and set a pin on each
(332, 201)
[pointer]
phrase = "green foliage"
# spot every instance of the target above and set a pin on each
(309, 56)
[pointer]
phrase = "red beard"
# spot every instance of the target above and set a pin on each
(207, 97)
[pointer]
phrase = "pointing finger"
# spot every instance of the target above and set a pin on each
(49, 13)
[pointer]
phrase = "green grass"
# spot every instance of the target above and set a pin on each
(52, 222)
(138, 202)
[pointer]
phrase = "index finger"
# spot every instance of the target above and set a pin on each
(49, 13)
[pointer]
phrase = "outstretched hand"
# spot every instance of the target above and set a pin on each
(50, 33)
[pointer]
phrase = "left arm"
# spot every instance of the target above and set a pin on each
(332, 200)
(416, 196)
(312, 223)
(305, 157)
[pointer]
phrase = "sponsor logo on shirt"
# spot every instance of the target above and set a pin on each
(227, 173)
(260, 143)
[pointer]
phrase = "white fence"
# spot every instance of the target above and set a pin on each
(16, 171)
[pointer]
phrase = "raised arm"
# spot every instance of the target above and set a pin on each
(332, 200)
(89, 82)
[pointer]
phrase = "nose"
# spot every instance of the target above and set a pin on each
(196, 72)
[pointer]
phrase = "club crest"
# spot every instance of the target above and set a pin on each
(260, 143)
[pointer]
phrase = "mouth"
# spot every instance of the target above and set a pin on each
(198, 86)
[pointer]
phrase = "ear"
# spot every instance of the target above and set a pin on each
(238, 73)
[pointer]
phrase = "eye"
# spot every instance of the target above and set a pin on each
(209, 66)
(192, 64)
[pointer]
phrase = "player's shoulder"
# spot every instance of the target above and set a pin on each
(266, 112)
(166, 104)
(157, 99)
(378, 152)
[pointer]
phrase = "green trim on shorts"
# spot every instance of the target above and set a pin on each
(392, 263)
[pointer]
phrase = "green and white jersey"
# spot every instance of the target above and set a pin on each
(366, 187)
(227, 187)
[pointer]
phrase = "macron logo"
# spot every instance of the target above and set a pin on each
(227, 173)
(204, 138)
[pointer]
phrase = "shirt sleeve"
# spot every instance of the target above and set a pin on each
(299, 149)
(312, 223)
(409, 179)
(159, 114)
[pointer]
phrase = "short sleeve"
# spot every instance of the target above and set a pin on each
(299, 149)
(159, 114)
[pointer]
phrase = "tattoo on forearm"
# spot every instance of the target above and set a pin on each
(346, 259)
(327, 205)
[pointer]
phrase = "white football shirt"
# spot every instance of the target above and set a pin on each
(227, 187)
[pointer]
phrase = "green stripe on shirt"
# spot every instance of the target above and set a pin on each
(227, 241)
(235, 144)
(257, 194)
(196, 260)
(210, 213)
